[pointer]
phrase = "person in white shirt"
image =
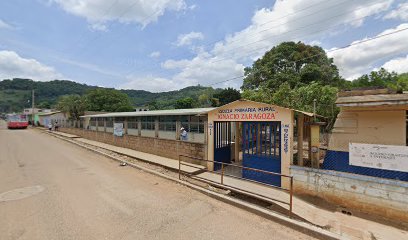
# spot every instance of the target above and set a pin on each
(183, 134)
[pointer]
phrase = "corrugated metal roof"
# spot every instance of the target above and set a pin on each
(373, 100)
(48, 113)
(172, 112)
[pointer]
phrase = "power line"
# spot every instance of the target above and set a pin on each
(280, 34)
(329, 51)
(277, 35)
(300, 28)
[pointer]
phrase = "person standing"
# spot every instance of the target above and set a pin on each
(56, 126)
(183, 134)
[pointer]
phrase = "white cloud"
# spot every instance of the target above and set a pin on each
(99, 27)
(401, 12)
(124, 11)
(5, 25)
(149, 83)
(287, 20)
(155, 54)
(89, 67)
(362, 58)
(399, 65)
(187, 39)
(14, 66)
(293, 20)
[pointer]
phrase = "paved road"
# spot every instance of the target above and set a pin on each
(50, 189)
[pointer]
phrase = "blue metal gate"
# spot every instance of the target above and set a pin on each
(261, 149)
(222, 143)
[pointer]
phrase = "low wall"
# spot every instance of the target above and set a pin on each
(160, 147)
(378, 196)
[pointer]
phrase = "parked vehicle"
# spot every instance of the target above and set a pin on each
(16, 121)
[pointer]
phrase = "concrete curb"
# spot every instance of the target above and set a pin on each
(302, 227)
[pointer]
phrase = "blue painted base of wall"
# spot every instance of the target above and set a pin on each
(263, 163)
(339, 161)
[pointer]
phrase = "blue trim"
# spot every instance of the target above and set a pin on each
(339, 161)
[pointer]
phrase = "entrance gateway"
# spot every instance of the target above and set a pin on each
(254, 135)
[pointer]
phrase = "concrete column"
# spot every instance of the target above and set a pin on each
(156, 127)
(300, 124)
(178, 126)
(314, 145)
(104, 124)
(125, 127)
(205, 132)
(237, 141)
(139, 127)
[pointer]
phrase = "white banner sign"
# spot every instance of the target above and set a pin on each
(386, 157)
(118, 129)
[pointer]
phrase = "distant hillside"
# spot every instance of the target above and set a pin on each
(16, 94)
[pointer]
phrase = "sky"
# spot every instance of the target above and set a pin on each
(163, 45)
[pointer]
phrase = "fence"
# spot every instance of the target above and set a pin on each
(222, 173)
(333, 154)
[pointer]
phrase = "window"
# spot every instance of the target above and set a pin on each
(100, 122)
(109, 122)
(193, 124)
(167, 123)
(132, 123)
(148, 123)
(92, 122)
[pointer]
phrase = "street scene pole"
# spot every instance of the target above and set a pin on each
(32, 107)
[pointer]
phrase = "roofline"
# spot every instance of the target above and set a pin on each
(167, 112)
(48, 113)
(299, 111)
(372, 104)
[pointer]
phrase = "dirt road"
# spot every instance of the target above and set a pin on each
(50, 189)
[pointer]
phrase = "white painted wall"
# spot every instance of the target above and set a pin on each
(385, 196)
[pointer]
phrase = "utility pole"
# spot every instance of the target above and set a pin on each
(32, 108)
(314, 109)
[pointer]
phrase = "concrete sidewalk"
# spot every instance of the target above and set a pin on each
(350, 227)
(147, 157)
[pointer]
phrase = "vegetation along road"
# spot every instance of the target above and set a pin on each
(50, 189)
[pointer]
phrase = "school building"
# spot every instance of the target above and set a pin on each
(365, 165)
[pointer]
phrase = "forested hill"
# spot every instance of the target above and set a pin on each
(16, 93)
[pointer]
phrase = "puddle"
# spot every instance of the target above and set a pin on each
(20, 193)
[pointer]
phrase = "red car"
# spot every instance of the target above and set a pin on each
(15, 121)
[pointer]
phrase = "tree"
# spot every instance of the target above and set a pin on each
(108, 100)
(44, 104)
(203, 99)
(380, 78)
(402, 82)
(300, 98)
(74, 105)
(184, 103)
(293, 63)
(226, 96)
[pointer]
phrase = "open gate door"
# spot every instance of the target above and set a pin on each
(222, 143)
(261, 149)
